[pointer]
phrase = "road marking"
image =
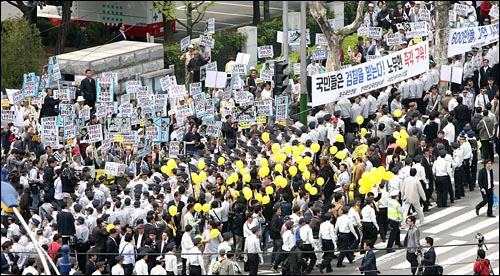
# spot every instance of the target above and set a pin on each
(439, 250)
(440, 214)
(467, 255)
(247, 6)
(391, 256)
(231, 14)
(451, 223)
(472, 230)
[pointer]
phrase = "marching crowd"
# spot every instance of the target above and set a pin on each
(314, 192)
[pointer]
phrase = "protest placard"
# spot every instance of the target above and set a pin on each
(296, 69)
(151, 132)
(460, 9)
(195, 88)
(319, 54)
(30, 85)
(113, 76)
(50, 131)
(174, 149)
(279, 36)
(114, 124)
(183, 111)
(216, 79)
(462, 40)
(206, 41)
(321, 39)
(162, 124)
(452, 16)
(200, 103)
(362, 30)
(70, 131)
(393, 39)
(14, 96)
(185, 42)
(95, 133)
(265, 51)
(281, 107)
(238, 69)
(66, 110)
(213, 128)
(165, 83)
(132, 86)
(456, 74)
(371, 75)
(56, 71)
(264, 107)
(106, 143)
(494, 11)
(266, 75)
(242, 58)
(212, 66)
(375, 32)
(243, 98)
(104, 89)
(45, 78)
(177, 91)
(425, 15)
(112, 168)
(416, 29)
(8, 116)
(294, 37)
(210, 29)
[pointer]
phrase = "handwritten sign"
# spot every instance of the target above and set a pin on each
(393, 39)
(132, 86)
(265, 51)
(112, 168)
(14, 96)
(210, 26)
(8, 116)
(281, 108)
(321, 39)
(165, 83)
(185, 42)
(319, 54)
(296, 69)
(460, 9)
(375, 32)
(206, 41)
(177, 91)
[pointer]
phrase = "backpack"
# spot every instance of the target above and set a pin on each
(216, 267)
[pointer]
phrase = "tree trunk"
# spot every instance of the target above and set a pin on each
(440, 48)
(63, 28)
(189, 19)
(333, 63)
(267, 14)
(256, 13)
(167, 29)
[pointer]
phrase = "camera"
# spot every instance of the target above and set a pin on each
(480, 241)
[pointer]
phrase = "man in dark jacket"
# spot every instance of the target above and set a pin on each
(112, 245)
(66, 224)
(88, 89)
(294, 264)
(49, 105)
(275, 233)
(194, 66)
(485, 181)
(369, 263)
(81, 37)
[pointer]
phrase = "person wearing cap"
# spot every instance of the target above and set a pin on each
(369, 221)
(195, 261)
(171, 259)
(141, 266)
(345, 235)
(486, 129)
(288, 243)
(484, 72)
(253, 252)
(158, 269)
(327, 236)
(395, 216)
(186, 58)
(227, 264)
(117, 269)
(81, 37)
(370, 17)
(100, 267)
(443, 173)
(411, 193)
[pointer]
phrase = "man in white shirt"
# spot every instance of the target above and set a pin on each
(253, 256)
(186, 245)
(345, 234)
(171, 259)
(457, 163)
(126, 249)
(369, 221)
(306, 235)
(327, 236)
(158, 269)
(482, 99)
(141, 267)
(117, 269)
(195, 260)
(288, 242)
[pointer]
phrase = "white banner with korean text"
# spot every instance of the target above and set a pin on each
(462, 40)
(349, 82)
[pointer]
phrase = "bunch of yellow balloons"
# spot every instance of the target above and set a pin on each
(372, 178)
(281, 181)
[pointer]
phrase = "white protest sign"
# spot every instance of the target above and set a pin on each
(200, 103)
(242, 58)
(371, 75)
(462, 40)
(445, 74)
(264, 107)
(296, 68)
(425, 15)
(452, 16)
(8, 116)
(456, 74)
(279, 36)
(281, 106)
(460, 9)
(206, 41)
(132, 86)
(112, 168)
(212, 66)
(375, 32)
(210, 26)
(416, 29)
(294, 37)
(143, 92)
(195, 88)
(319, 54)
(216, 79)
(393, 39)
(265, 51)
(66, 110)
(213, 128)
(362, 30)
(321, 40)
(240, 97)
(238, 69)
(95, 133)
(177, 91)
(84, 113)
(494, 12)
(174, 149)
(266, 75)
(185, 42)
(165, 83)
(183, 111)
(14, 96)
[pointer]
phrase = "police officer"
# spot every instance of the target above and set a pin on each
(394, 214)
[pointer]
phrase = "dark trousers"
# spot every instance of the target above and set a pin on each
(394, 236)
(487, 150)
(310, 255)
(442, 183)
(253, 264)
(355, 242)
(184, 261)
(428, 195)
(344, 242)
(451, 192)
(382, 222)
(128, 269)
(473, 175)
(412, 258)
(467, 175)
(369, 232)
(327, 256)
(487, 199)
(280, 258)
(195, 270)
(277, 243)
(459, 182)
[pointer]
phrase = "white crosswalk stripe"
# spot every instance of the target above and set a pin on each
(440, 214)
(451, 223)
(475, 228)
(465, 256)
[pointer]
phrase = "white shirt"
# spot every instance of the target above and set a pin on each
(158, 270)
(441, 167)
(252, 246)
(344, 225)
(449, 132)
(326, 231)
(452, 104)
(306, 234)
(117, 269)
(30, 269)
(288, 240)
(247, 232)
(467, 150)
(186, 244)
(354, 217)
(171, 263)
(368, 214)
(141, 267)
(395, 184)
(127, 250)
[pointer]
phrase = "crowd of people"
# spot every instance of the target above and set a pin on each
(327, 189)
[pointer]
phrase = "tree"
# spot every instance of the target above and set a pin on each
(167, 9)
(334, 37)
(63, 28)
(28, 8)
(441, 35)
(267, 14)
(256, 13)
(200, 7)
(22, 51)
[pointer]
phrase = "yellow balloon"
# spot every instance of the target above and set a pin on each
(194, 175)
(265, 137)
(266, 199)
(236, 194)
(333, 150)
(315, 147)
(247, 178)
(360, 120)
(281, 157)
(479, 144)
(221, 161)
(164, 169)
(401, 142)
(307, 160)
(308, 187)
(287, 149)
(278, 168)
(396, 134)
(362, 181)
(239, 164)
(202, 175)
(313, 191)
(283, 183)
(341, 155)
(404, 134)
(397, 113)
(258, 197)
(320, 181)
(364, 131)
(292, 170)
(299, 159)
(229, 180)
(201, 165)
(339, 138)
(388, 175)
(306, 175)
(276, 148)
(302, 167)
(198, 207)
(206, 207)
(296, 152)
(364, 190)
(172, 210)
(247, 195)
(243, 171)
(302, 147)
(214, 233)
(109, 227)
(263, 162)
(269, 190)
(171, 163)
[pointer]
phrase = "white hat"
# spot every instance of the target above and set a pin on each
(160, 259)
(80, 99)
(448, 92)
(190, 46)
(394, 192)
(370, 5)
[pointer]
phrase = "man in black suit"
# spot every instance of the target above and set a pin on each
(427, 162)
(8, 264)
(484, 73)
(88, 89)
(180, 204)
(161, 245)
(485, 181)
(491, 88)
(120, 33)
(66, 223)
(140, 236)
(112, 245)
(90, 267)
(195, 64)
(369, 263)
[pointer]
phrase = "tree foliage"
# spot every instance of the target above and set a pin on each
(22, 51)
(64, 27)
(167, 8)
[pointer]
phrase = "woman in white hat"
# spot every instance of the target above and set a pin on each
(79, 105)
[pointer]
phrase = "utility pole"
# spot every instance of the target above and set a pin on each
(285, 30)
(303, 64)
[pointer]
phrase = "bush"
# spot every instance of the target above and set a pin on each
(48, 31)
(98, 34)
(22, 51)
(172, 55)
